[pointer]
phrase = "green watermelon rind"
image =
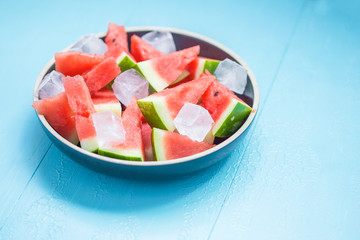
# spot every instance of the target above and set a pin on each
(122, 153)
(157, 82)
(157, 136)
(204, 64)
(156, 113)
(125, 62)
(211, 65)
(231, 119)
(89, 144)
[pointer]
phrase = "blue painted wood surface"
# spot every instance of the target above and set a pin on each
(296, 174)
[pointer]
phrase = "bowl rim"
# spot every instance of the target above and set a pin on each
(167, 162)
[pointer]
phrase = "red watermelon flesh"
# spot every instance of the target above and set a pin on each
(78, 95)
(85, 127)
(143, 51)
(104, 96)
(146, 138)
(132, 123)
(171, 65)
(217, 98)
(73, 63)
(116, 40)
(57, 112)
(188, 92)
(101, 74)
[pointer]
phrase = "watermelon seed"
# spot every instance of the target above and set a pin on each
(114, 39)
(216, 93)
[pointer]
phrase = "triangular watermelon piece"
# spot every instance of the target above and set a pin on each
(227, 110)
(164, 70)
(81, 104)
(116, 41)
(143, 51)
(160, 109)
(171, 145)
(58, 113)
(132, 148)
(101, 74)
(73, 63)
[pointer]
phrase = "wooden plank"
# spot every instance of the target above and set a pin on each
(65, 200)
(299, 178)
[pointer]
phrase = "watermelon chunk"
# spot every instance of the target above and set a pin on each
(101, 74)
(73, 63)
(78, 95)
(104, 100)
(116, 40)
(146, 137)
(171, 145)
(81, 104)
(164, 70)
(199, 65)
(57, 112)
(132, 148)
(143, 51)
(227, 110)
(160, 109)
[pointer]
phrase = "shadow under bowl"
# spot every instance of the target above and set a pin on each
(171, 168)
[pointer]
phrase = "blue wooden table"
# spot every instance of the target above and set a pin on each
(295, 175)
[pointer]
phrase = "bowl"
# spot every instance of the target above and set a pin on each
(171, 168)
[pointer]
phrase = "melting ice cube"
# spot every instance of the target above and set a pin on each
(51, 85)
(90, 44)
(193, 121)
(109, 128)
(161, 40)
(129, 84)
(232, 75)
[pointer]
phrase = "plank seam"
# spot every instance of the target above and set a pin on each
(260, 113)
(27, 184)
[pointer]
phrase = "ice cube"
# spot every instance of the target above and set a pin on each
(232, 75)
(109, 128)
(193, 121)
(90, 44)
(161, 40)
(129, 84)
(51, 85)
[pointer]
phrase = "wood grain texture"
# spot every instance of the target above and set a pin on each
(300, 178)
(262, 189)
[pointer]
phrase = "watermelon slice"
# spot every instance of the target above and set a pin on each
(170, 145)
(57, 112)
(104, 100)
(160, 109)
(164, 70)
(81, 104)
(199, 65)
(101, 74)
(132, 148)
(116, 41)
(143, 51)
(73, 63)
(227, 110)
(146, 137)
